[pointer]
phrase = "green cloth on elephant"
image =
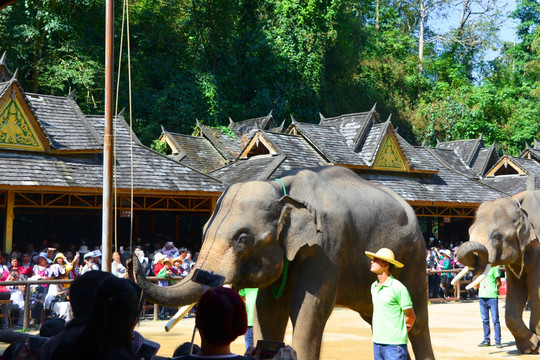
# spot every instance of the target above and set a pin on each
(389, 301)
(488, 287)
(250, 296)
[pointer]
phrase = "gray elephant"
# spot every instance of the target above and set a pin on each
(506, 232)
(301, 240)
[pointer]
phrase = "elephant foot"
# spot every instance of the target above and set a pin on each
(528, 345)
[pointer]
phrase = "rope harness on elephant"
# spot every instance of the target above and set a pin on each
(277, 293)
(523, 251)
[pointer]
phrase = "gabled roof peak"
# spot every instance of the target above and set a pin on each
(322, 118)
(3, 59)
(293, 120)
(71, 94)
(15, 74)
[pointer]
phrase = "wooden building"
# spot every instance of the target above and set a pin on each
(51, 160)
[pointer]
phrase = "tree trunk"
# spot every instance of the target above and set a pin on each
(421, 36)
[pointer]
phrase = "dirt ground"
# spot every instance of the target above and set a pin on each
(456, 330)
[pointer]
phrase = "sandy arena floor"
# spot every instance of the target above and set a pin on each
(456, 329)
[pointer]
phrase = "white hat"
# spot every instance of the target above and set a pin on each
(89, 254)
(158, 257)
(446, 252)
(386, 255)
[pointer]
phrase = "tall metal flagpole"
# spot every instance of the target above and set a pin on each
(106, 237)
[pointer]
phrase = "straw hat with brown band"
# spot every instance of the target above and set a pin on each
(386, 255)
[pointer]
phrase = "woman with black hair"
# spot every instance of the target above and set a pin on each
(221, 318)
(108, 333)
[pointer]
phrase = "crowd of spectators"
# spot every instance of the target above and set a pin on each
(70, 262)
(106, 310)
(440, 256)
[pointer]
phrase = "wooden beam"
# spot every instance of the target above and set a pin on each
(8, 231)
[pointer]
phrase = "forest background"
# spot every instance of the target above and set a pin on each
(213, 60)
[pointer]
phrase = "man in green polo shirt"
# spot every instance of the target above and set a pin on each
(250, 298)
(393, 314)
(488, 297)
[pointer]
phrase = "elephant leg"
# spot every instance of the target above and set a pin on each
(534, 299)
(272, 316)
(312, 302)
(516, 298)
(415, 281)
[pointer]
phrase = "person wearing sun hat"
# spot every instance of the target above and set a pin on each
(88, 263)
(445, 263)
(393, 314)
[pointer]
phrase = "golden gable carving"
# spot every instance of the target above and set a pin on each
(389, 156)
(16, 130)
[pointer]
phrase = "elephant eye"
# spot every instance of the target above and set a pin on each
(244, 239)
(497, 236)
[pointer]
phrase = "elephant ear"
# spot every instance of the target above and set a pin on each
(525, 230)
(298, 226)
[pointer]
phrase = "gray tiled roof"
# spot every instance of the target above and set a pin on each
(484, 160)
(197, 152)
(349, 125)
(64, 123)
(329, 142)
(450, 159)
(447, 186)
(152, 171)
(535, 153)
(463, 148)
(372, 142)
(293, 152)
(514, 183)
(250, 126)
(229, 147)
(416, 158)
(4, 86)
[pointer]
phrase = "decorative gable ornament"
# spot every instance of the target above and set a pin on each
(390, 156)
(258, 146)
(17, 124)
(506, 167)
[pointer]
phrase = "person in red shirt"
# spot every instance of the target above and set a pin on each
(158, 263)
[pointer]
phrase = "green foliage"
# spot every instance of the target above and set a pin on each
(159, 146)
(219, 59)
(226, 131)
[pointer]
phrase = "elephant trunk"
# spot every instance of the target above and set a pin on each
(474, 255)
(184, 292)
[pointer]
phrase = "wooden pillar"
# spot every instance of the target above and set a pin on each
(10, 216)
(137, 224)
(176, 227)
